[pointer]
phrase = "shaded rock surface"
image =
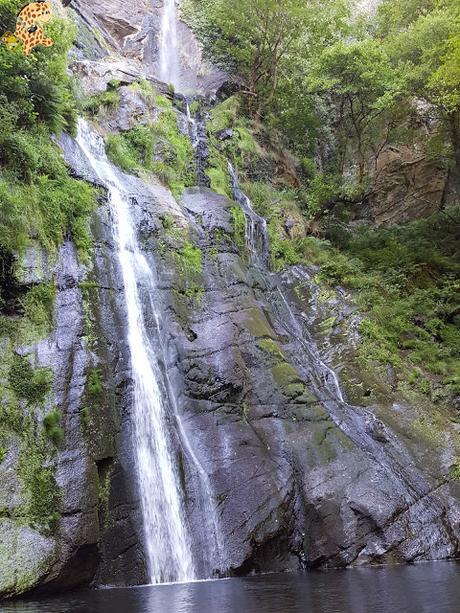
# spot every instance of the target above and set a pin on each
(407, 186)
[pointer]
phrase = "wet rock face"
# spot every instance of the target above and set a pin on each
(302, 478)
(131, 32)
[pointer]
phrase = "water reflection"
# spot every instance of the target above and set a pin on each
(407, 589)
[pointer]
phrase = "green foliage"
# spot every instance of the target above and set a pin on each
(39, 486)
(189, 264)
(239, 227)
(259, 39)
(190, 260)
(407, 277)
(145, 88)
(159, 147)
(320, 76)
(37, 197)
(94, 384)
(52, 426)
(218, 176)
(29, 384)
(108, 99)
(39, 304)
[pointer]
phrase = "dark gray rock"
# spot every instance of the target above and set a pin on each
(300, 478)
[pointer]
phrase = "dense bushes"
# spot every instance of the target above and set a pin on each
(39, 203)
(37, 197)
(407, 286)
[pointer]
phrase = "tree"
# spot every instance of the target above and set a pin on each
(423, 44)
(363, 87)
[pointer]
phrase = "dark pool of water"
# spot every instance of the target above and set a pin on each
(425, 588)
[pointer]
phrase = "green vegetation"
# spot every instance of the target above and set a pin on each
(318, 73)
(94, 385)
(159, 147)
(338, 89)
(38, 306)
(52, 427)
(94, 397)
(40, 205)
(108, 99)
(29, 384)
(407, 278)
(37, 197)
(241, 148)
(239, 227)
(39, 486)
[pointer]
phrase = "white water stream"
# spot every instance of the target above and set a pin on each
(256, 234)
(167, 543)
(169, 67)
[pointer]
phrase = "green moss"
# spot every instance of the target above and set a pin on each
(327, 325)
(257, 324)
(104, 488)
(455, 471)
(190, 260)
(167, 221)
(52, 427)
(239, 227)
(94, 383)
(271, 347)
(284, 375)
(3, 453)
(29, 384)
(38, 306)
(159, 147)
(39, 486)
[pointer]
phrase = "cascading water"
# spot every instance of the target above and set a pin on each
(169, 65)
(256, 226)
(257, 244)
(167, 542)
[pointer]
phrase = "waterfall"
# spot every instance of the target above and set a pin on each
(167, 542)
(256, 234)
(169, 69)
(257, 244)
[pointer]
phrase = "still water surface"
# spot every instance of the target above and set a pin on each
(425, 588)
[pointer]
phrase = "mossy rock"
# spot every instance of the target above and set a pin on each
(25, 557)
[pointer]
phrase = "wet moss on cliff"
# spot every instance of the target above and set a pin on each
(158, 147)
(108, 99)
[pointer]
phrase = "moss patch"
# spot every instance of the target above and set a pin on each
(159, 147)
(52, 427)
(29, 384)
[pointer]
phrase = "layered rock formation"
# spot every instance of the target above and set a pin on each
(300, 478)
